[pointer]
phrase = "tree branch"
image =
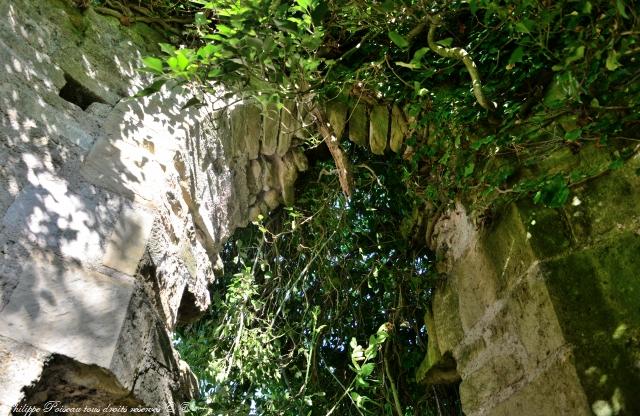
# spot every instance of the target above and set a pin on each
(343, 165)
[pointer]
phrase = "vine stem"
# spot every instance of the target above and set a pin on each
(461, 55)
(392, 383)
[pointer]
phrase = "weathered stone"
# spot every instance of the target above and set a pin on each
(95, 189)
(128, 240)
(269, 180)
(359, 125)
(254, 212)
(398, 129)
(254, 177)
(119, 165)
(246, 130)
(337, 115)
(18, 361)
(62, 308)
(270, 130)
(436, 368)
(272, 199)
(546, 301)
(287, 175)
(379, 129)
(288, 126)
(299, 159)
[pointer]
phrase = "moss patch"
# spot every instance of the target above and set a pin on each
(596, 294)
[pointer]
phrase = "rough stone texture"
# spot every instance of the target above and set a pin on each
(379, 129)
(337, 115)
(359, 125)
(270, 131)
(112, 210)
(540, 310)
(399, 129)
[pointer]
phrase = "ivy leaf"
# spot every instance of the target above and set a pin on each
(447, 42)
(516, 55)
(304, 3)
(398, 39)
(408, 65)
(621, 8)
(554, 193)
(201, 19)
(612, 61)
(206, 51)
(473, 6)
(525, 26)
(577, 55)
(468, 170)
(167, 48)
(182, 60)
(151, 89)
(367, 369)
(154, 64)
(573, 135)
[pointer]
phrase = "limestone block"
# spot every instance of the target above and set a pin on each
(253, 123)
(254, 176)
(337, 115)
(264, 208)
(50, 215)
(270, 130)
(288, 127)
(20, 365)
(272, 199)
(299, 159)
(379, 129)
(24, 64)
(269, 180)
(62, 308)
(553, 391)
(398, 129)
(54, 116)
(127, 169)
(145, 362)
(359, 125)
(254, 211)
(245, 128)
(595, 293)
(446, 313)
(128, 240)
(484, 384)
(287, 175)
(437, 367)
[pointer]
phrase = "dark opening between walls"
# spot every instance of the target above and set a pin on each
(78, 94)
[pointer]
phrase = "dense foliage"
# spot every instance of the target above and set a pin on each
(320, 310)
(559, 74)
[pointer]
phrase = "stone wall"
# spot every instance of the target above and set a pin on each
(374, 126)
(539, 314)
(113, 210)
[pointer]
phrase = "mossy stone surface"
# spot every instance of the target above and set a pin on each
(596, 295)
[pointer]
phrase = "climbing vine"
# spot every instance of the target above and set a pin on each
(490, 88)
(320, 310)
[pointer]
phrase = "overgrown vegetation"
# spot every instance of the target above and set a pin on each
(558, 75)
(320, 309)
(539, 80)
